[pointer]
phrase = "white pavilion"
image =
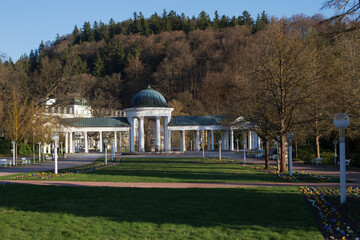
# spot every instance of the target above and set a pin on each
(127, 131)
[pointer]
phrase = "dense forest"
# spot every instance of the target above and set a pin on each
(282, 74)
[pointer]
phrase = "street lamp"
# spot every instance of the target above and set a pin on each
(290, 136)
(106, 142)
(237, 145)
(335, 142)
(341, 121)
(190, 145)
(112, 150)
(244, 144)
(13, 144)
(39, 143)
(219, 141)
(203, 145)
(55, 138)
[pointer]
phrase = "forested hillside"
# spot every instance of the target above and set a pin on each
(283, 74)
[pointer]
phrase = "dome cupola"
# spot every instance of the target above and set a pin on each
(148, 98)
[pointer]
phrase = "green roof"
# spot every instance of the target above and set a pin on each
(196, 120)
(148, 98)
(97, 122)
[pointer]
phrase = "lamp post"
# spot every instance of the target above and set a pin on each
(13, 144)
(39, 143)
(55, 137)
(244, 144)
(112, 150)
(335, 142)
(237, 145)
(290, 136)
(219, 141)
(341, 121)
(106, 142)
(190, 145)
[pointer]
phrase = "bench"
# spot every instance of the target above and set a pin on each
(317, 161)
(347, 163)
(24, 161)
(3, 162)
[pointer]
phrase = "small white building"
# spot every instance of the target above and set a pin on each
(148, 126)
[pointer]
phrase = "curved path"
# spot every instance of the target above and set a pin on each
(74, 160)
(171, 185)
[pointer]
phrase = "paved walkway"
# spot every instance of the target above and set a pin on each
(74, 160)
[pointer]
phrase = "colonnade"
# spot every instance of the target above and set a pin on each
(139, 131)
(253, 142)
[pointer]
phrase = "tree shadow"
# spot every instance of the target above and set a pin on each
(281, 209)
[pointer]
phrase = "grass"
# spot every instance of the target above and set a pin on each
(49, 212)
(173, 170)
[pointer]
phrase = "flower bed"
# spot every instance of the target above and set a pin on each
(63, 172)
(332, 222)
(297, 176)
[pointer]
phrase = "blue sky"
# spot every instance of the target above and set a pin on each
(24, 23)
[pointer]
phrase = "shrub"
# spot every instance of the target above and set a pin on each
(306, 154)
(5, 146)
(24, 149)
(355, 159)
(328, 158)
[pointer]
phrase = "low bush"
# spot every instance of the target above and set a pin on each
(306, 154)
(5, 146)
(355, 159)
(24, 149)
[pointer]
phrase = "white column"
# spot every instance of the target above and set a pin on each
(259, 143)
(169, 140)
(212, 140)
(166, 134)
(129, 139)
(66, 142)
(231, 140)
(183, 146)
(250, 140)
(71, 149)
(227, 140)
(132, 135)
(115, 141)
(197, 140)
(141, 135)
(101, 145)
(86, 142)
(49, 148)
(209, 140)
(44, 148)
(194, 140)
(157, 134)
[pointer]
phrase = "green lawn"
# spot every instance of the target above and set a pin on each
(50, 212)
(173, 170)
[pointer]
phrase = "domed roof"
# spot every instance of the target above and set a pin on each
(148, 98)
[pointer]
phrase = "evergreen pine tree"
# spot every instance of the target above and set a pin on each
(99, 65)
(76, 36)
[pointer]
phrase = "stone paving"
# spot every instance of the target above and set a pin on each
(74, 160)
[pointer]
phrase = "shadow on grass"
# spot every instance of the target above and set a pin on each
(183, 176)
(282, 209)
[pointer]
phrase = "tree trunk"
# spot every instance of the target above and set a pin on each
(296, 149)
(267, 154)
(16, 154)
(317, 146)
(283, 167)
(33, 153)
